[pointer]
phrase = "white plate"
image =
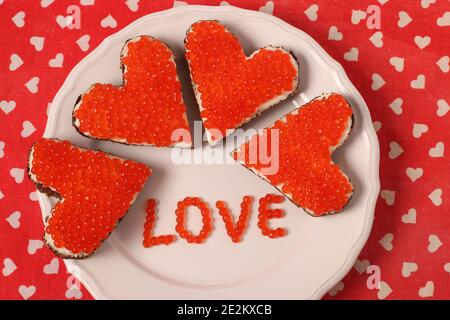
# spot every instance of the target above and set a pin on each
(305, 264)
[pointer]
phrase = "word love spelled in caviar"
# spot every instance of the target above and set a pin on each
(96, 191)
(307, 138)
(149, 106)
(230, 87)
(234, 230)
(266, 213)
(149, 239)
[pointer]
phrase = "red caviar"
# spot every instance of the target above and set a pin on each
(96, 189)
(181, 220)
(307, 137)
(235, 231)
(266, 213)
(146, 109)
(149, 239)
(231, 86)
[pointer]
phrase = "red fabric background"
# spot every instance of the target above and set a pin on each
(410, 240)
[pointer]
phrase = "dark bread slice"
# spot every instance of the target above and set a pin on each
(124, 52)
(47, 238)
(344, 137)
(263, 107)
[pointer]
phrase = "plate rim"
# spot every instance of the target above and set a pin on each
(367, 127)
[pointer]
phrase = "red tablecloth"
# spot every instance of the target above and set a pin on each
(402, 71)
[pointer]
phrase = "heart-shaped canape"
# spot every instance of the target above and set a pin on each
(147, 110)
(96, 191)
(300, 147)
(230, 87)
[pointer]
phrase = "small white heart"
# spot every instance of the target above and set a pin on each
(267, 8)
(177, 3)
(408, 268)
(377, 39)
(64, 21)
(27, 129)
(87, 2)
(352, 55)
(2, 150)
(386, 241)
(437, 151)
(447, 267)
(377, 125)
(8, 267)
(398, 63)
(377, 82)
(395, 150)
(404, 19)
(427, 291)
(32, 85)
(46, 3)
(361, 266)
(34, 246)
(108, 22)
(33, 196)
(133, 5)
(338, 287)
(311, 12)
(396, 106)
(357, 16)
(15, 62)
(443, 107)
(7, 106)
(57, 61)
(334, 34)
(19, 19)
(436, 197)
(17, 174)
(444, 21)
(388, 196)
(419, 82)
(444, 64)
(52, 267)
(410, 217)
(414, 174)
(14, 219)
(83, 42)
(434, 243)
(73, 293)
(37, 43)
(426, 3)
(384, 291)
(422, 42)
(419, 129)
(27, 292)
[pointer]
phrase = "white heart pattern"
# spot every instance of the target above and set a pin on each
(410, 217)
(437, 151)
(386, 241)
(19, 19)
(14, 219)
(443, 107)
(338, 287)
(398, 63)
(377, 82)
(357, 16)
(444, 64)
(52, 267)
(334, 34)
(395, 150)
(27, 129)
(133, 5)
(8, 267)
(404, 19)
(57, 61)
(361, 266)
(17, 174)
(352, 55)
(37, 43)
(414, 174)
(83, 42)
(384, 291)
(32, 85)
(377, 39)
(27, 292)
(444, 21)
(15, 62)
(422, 42)
(388, 196)
(419, 129)
(428, 290)
(311, 12)
(267, 8)
(7, 106)
(436, 197)
(419, 82)
(108, 22)
(408, 268)
(34, 246)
